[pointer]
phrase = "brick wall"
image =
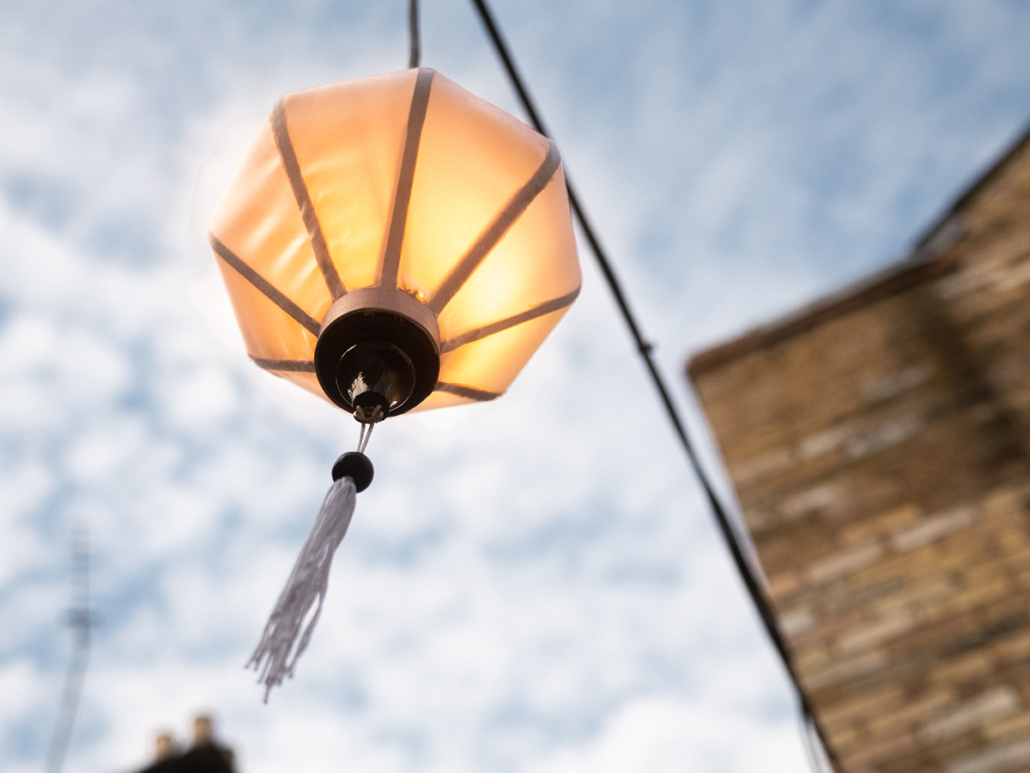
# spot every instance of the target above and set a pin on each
(879, 444)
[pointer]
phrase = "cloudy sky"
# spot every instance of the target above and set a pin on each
(529, 585)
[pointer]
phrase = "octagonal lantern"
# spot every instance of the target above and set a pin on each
(394, 241)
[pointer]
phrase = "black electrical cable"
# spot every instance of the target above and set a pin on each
(810, 735)
(732, 539)
(415, 55)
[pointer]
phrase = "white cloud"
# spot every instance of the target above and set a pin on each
(532, 584)
(658, 734)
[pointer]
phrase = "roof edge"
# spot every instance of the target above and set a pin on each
(880, 285)
(926, 259)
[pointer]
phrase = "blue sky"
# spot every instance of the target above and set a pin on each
(529, 585)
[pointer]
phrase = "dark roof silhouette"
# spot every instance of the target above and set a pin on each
(204, 758)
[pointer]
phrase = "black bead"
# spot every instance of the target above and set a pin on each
(356, 465)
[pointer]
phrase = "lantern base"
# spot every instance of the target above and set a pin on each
(379, 347)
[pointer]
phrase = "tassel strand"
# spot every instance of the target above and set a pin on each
(306, 585)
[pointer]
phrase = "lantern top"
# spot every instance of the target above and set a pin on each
(400, 209)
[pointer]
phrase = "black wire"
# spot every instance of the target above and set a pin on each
(732, 539)
(810, 735)
(415, 55)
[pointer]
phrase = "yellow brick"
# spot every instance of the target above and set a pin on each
(981, 594)
(884, 569)
(844, 670)
(984, 574)
(844, 739)
(814, 658)
(784, 584)
(882, 525)
(1015, 543)
(932, 702)
(919, 597)
(844, 562)
(861, 760)
(1003, 502)
(1018, 560)
(913, 712)
(1022, 580)
(1013, 648)
(1015, 724)
(972, 665)
(875, 632)
(863, 706)
(973, 712)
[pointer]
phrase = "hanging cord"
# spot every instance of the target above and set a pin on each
(733, 540)
(364, 434)
(415, 55)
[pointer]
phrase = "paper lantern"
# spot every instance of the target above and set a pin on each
(390, 243)
(393, 242)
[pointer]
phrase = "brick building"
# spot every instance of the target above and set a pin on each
(879, 445)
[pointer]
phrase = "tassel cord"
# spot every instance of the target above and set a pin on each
(364, 434)
(276, 656)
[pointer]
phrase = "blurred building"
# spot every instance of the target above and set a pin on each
(879, 445)
(205, 754)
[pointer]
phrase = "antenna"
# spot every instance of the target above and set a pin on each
(80, 618)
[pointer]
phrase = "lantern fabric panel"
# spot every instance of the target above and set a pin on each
(263, 227)
(351, 184)
(269, 332)
(402, 181)
(472, 159)
(440, 399)
(490, 364)
(526, 269)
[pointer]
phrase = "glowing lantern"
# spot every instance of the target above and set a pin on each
(393, 242)
(390, 243)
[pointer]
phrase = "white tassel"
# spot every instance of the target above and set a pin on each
(307, 583)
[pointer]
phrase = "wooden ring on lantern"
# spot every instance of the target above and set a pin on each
(380, 315)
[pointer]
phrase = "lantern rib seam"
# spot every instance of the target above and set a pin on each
(304, 204)
(507, 218)
(488, 330)
(406, 178)
(264, 286)
(460, 390)
(291, 366)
